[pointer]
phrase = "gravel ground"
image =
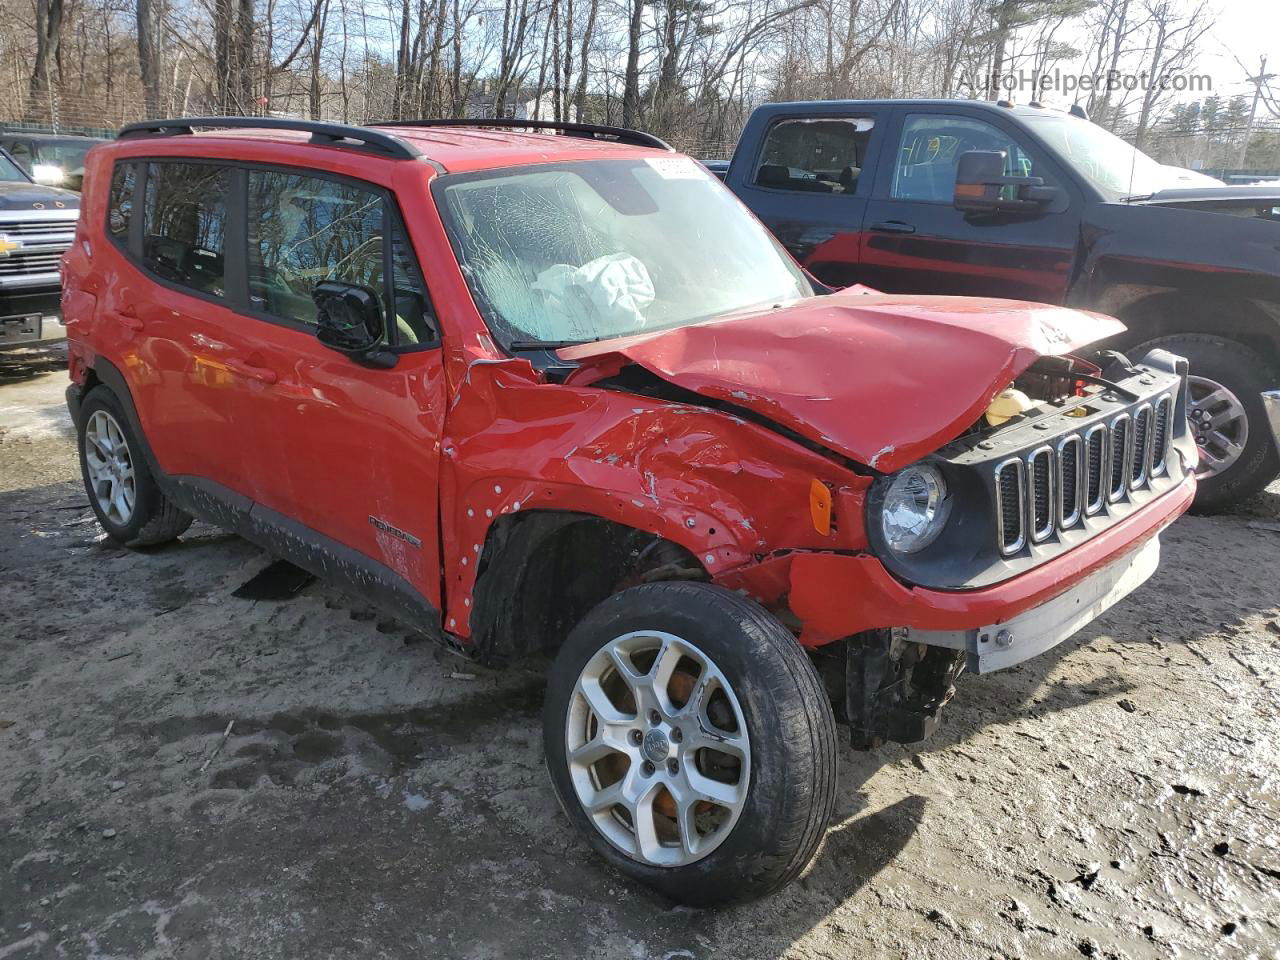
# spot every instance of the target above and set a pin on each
(376, 797)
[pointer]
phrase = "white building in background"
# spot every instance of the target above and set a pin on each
(523, 104)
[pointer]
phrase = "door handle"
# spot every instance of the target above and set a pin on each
(261, 374)
(893, 226)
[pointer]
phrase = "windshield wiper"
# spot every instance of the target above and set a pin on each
(1137, 198)
(550, 344)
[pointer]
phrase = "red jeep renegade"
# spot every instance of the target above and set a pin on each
(554, 390)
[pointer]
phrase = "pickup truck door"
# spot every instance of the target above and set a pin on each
(916, 241)
(809, 183)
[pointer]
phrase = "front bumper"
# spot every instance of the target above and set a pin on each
(1042, 628)
(836, 595)
(28, 317)
(1271, 403)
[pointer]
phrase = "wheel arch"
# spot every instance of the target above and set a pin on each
(1154, 312)
(102, 372)
(542, 571)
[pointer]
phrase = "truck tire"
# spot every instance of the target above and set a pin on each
(690, 739)
(122, 492)
(1238, 452)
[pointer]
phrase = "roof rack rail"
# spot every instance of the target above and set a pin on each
(590, 131)
(322, 134)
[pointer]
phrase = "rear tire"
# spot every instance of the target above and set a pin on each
(122, 492)
(1244, 375)
(757, 826)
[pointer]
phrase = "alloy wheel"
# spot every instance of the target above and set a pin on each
(658, 749)
(1219, 424)
(109, 464)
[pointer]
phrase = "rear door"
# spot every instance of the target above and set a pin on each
(810, 183)
(170, 317)
(350, 451)
(918, 242)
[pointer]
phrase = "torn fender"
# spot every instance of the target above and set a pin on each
(884, 380)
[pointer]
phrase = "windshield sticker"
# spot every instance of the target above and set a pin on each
(676, 168)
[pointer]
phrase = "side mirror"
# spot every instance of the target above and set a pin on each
(349, 320)
(982, 187)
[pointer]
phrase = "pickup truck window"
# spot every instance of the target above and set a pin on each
(605, 248)
(823, 155)
(184, 224)
(930, 149)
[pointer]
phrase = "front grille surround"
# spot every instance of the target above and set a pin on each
(1061, 484)
(991, 478)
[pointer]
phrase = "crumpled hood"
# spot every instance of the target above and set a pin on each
(883, 379)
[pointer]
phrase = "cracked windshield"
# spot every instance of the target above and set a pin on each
(606, 248)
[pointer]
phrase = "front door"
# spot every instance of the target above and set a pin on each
(808, 186)
(916, 241)
(350, 451)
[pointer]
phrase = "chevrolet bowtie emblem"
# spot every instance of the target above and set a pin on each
(7, 246)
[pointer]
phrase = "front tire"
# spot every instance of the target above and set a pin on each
(122, 492)
(1238, 457)
(689, 738)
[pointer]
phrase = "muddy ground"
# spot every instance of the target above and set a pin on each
(1118, 797)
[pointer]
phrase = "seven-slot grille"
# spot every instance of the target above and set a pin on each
(1055, 487)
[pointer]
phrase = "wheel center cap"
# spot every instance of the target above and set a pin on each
(656, 746)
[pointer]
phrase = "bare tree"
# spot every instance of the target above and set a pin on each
(149, 55)
(49, 15)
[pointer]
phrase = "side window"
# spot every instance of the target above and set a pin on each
(185, 224)
(815, 155)
(120, 203)
(930, 149)
(303, 230)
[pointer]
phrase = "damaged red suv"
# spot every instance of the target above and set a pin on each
(554, 391)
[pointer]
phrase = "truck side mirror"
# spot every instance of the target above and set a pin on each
(982, 187)
(349, 320)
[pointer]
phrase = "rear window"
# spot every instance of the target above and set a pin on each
(815, 155)
(120, 203)
(185, 224)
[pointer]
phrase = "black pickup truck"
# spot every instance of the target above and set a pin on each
(984, 199)
(37, 226)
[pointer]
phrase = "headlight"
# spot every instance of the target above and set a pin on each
(915, 508)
